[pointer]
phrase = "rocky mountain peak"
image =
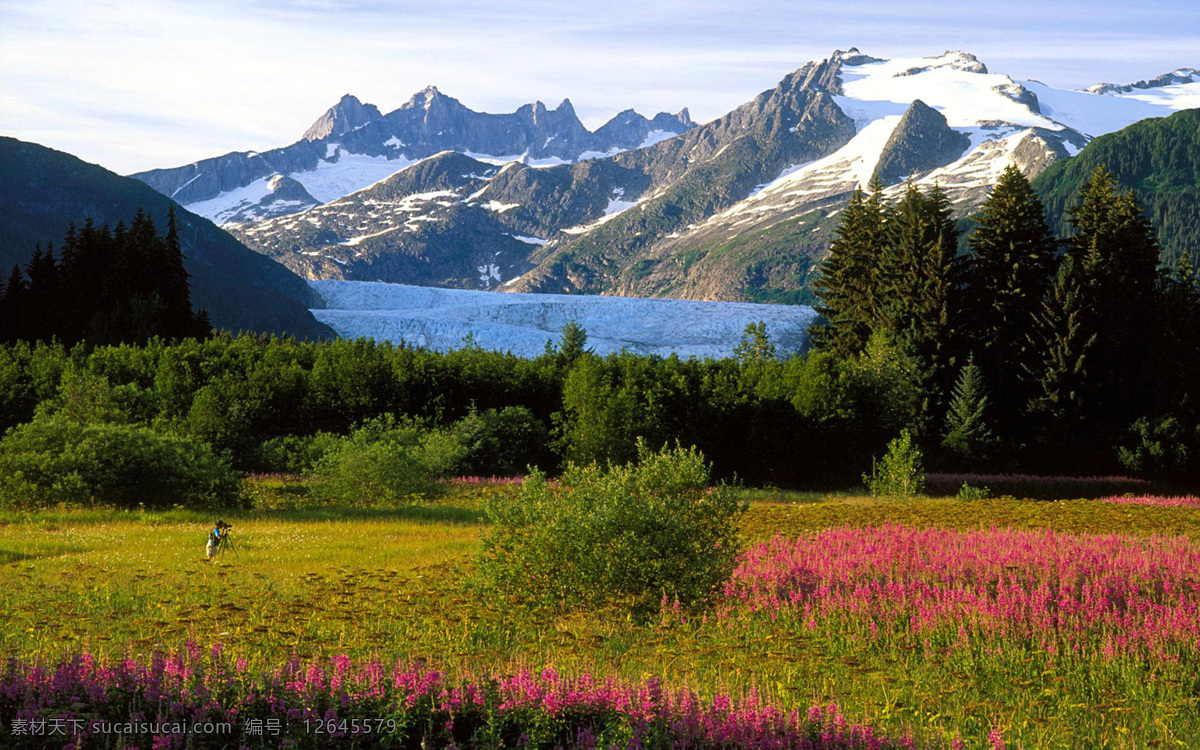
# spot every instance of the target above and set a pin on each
(348, 114)
(1175, 77)
(684, 117)
(953, 59)
(921, 141)
(853, 57)
(425, 98)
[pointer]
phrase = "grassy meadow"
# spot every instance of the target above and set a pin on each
(399, 585)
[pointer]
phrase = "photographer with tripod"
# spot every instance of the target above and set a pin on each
(218, 539)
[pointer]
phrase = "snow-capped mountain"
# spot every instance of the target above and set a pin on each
(944, 120)
(353, 145)
(739, 208)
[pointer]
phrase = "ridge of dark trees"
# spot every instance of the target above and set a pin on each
(123, 285)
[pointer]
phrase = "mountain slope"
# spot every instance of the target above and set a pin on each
(766, 244)
(448, 220)
(740, 208)
(43, 191)
(1159, 160)
(352, 146)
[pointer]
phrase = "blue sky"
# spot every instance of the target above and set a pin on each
(137, 84)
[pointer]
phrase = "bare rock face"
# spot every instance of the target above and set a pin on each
(1021, 95)
(427, 124)
(1175, 77)
(921, 141)
(348, 114)
(963, 61)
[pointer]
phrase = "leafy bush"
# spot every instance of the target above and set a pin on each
(633, 535)
(58, 460)
(899, 474)
(387, 461)
(1159, 449)
(295, 454)
(967, 493)
(503, 442)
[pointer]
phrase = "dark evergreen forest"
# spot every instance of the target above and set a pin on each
(1028, 351)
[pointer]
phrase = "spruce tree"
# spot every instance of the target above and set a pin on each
(13, 316)
(755, 347)
(43, 298)
(848, 287)
(916, 288)
(968, 437)
(1006, 275)
(1061, 333)
(1177, 387)
(127, 285)
(572, 344)
(1115, 258)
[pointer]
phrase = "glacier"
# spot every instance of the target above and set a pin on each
(442, 319)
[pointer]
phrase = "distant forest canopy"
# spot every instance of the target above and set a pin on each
(1158, 159)
(124, 285)
(1025, 353)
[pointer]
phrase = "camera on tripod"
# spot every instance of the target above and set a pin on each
(218, 539)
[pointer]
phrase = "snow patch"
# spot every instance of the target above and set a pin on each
(656, 136)
(349, 174)
(499, 207)
(361, 237)
(530, 240)
(875, 90)
(1097, 114)
(223, 208)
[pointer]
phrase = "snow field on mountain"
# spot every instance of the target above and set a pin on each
(349, 174)
(1097, 114)
(852, 164)
(522, 323)
(964, 98)
(221, 209)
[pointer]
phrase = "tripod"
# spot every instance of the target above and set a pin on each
(220, 544)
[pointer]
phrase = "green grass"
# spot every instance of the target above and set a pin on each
(398, 583)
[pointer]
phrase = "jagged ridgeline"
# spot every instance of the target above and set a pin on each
(123, 285)
(740, 208)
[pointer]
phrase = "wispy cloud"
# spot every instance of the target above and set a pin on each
(136, 84)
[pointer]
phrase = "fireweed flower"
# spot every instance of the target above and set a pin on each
(1112, 594)
(543, 709)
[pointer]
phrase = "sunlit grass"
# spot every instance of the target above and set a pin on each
(397, 583)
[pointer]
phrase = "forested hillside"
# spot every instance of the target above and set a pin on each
(1159, 160)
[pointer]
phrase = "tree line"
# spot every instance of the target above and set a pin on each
(126, 284)
(1026, 341)
(1025, 352)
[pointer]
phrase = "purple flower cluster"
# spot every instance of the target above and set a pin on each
(343, 703)
(1188, 501)
(1058, 592)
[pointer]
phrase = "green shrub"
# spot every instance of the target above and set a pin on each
(58, 460)
(1159, 449)
(386, 461)
(503, 442)
(898, 474)
(967, 493)
(630, 535)
(295, 454)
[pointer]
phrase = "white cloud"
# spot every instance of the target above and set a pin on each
(137, 84)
